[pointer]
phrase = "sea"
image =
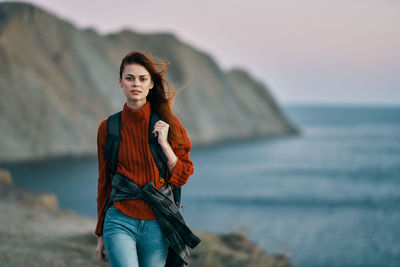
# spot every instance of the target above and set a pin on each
(329, 196)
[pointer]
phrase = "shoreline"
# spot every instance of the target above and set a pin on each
(198, 146)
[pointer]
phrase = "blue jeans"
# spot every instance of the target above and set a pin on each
(132, 242)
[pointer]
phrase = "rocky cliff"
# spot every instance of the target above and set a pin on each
(57, 82)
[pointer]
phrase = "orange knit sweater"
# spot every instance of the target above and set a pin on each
(135, 161)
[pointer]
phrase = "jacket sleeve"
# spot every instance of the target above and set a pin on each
(184, 166)
(103, 183)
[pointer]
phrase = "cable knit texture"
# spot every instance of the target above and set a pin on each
(135, 161)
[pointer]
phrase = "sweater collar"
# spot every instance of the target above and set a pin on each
(136, 115)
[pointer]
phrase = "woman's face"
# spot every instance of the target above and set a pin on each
(136, 82)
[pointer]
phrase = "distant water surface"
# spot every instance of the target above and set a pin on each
(329, 197)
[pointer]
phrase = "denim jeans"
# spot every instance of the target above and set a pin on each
(132, 242)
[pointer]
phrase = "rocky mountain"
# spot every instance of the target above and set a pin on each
(57, 82)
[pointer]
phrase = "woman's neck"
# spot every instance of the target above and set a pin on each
(136, 105)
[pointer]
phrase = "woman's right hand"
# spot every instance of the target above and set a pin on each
(100, 250)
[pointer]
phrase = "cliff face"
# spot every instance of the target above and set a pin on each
(57, 82)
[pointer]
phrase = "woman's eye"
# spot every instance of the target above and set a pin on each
(131, 78)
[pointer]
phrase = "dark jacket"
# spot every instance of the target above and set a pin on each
(176, 232)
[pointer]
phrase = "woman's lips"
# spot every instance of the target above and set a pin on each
(135, 92)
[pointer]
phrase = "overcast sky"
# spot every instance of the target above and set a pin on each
(306, 51)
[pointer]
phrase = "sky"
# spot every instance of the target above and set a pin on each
(305, 51)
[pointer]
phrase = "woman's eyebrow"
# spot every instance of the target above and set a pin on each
(139, 75)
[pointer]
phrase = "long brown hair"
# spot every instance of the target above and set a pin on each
(161, 97)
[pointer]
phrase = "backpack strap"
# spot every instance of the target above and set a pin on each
(158, 154)
(113, 140)
(159, 157)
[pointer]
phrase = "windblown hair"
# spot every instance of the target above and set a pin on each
(161, 97)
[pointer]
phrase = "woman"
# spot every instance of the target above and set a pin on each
(128, 233)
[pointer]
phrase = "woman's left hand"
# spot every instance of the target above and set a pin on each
(161, 130)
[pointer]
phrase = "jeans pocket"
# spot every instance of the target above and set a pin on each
(112, 215)
(113, 209)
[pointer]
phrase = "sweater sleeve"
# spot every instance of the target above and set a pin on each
(103, 183)
(184, 166)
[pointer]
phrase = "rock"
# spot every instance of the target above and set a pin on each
(233, 250)
(30, 198)
(5, 177)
